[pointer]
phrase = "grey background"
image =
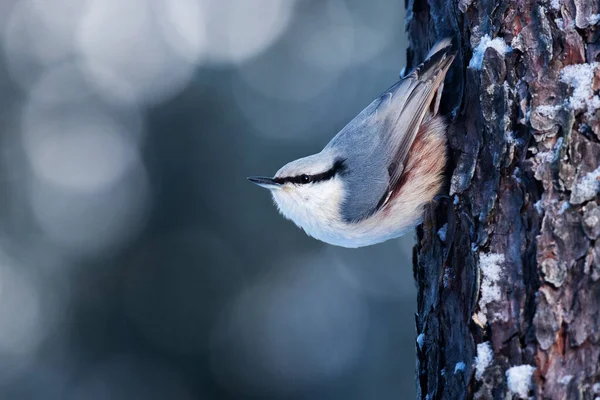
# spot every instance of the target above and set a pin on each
(136, 261)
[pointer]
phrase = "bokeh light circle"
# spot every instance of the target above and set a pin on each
(299, 326)
(176, 286)
(126, 55)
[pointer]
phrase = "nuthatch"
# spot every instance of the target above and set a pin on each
(373, 179)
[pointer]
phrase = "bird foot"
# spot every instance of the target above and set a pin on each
(440, 197)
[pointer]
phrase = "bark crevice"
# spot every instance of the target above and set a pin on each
(518, 265)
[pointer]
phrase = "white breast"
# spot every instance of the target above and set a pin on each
(316, 209)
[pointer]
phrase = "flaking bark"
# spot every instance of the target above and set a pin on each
(517, 260)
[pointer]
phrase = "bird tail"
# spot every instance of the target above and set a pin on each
(444, 44)
(413, 98)
(441, 56)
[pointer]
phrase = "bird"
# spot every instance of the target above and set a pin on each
(371, 182)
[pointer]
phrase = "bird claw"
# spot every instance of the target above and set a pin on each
(440, 197)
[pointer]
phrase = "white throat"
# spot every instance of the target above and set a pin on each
(314, 207)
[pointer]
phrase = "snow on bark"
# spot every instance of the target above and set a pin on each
(519, 380)
(508, 270)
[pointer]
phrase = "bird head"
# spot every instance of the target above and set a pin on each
(308, 191)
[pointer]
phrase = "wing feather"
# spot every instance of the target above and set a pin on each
(403, 123)
(377, 141)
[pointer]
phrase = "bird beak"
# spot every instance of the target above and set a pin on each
(263, 181)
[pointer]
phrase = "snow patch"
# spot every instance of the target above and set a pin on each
(447, 277)
(442, 232)
(565, 380)
(564, 207)
(486, 42)
(544, 157)
(490, 265)
(586, 188)
(580, 77)
(516, 174)
(555, 4)
(460, 366)
(517, 43)
(548, 111)
(539, 207)
(420, 340)
(519, 380)
(485, 356)
(551, 155)
(560, 24)
(509, 136)
(594, 19)
(463, 5)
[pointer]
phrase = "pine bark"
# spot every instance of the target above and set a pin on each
(512, 259)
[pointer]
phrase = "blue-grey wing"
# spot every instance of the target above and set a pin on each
(402, 121)
(376, 142)
(365, 177)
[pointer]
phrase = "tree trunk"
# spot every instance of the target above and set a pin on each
(508, 268)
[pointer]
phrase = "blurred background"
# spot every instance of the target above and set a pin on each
(136, 261)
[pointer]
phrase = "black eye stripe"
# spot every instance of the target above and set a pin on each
(338, 167)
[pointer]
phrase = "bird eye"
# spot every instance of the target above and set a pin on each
(304, 178)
